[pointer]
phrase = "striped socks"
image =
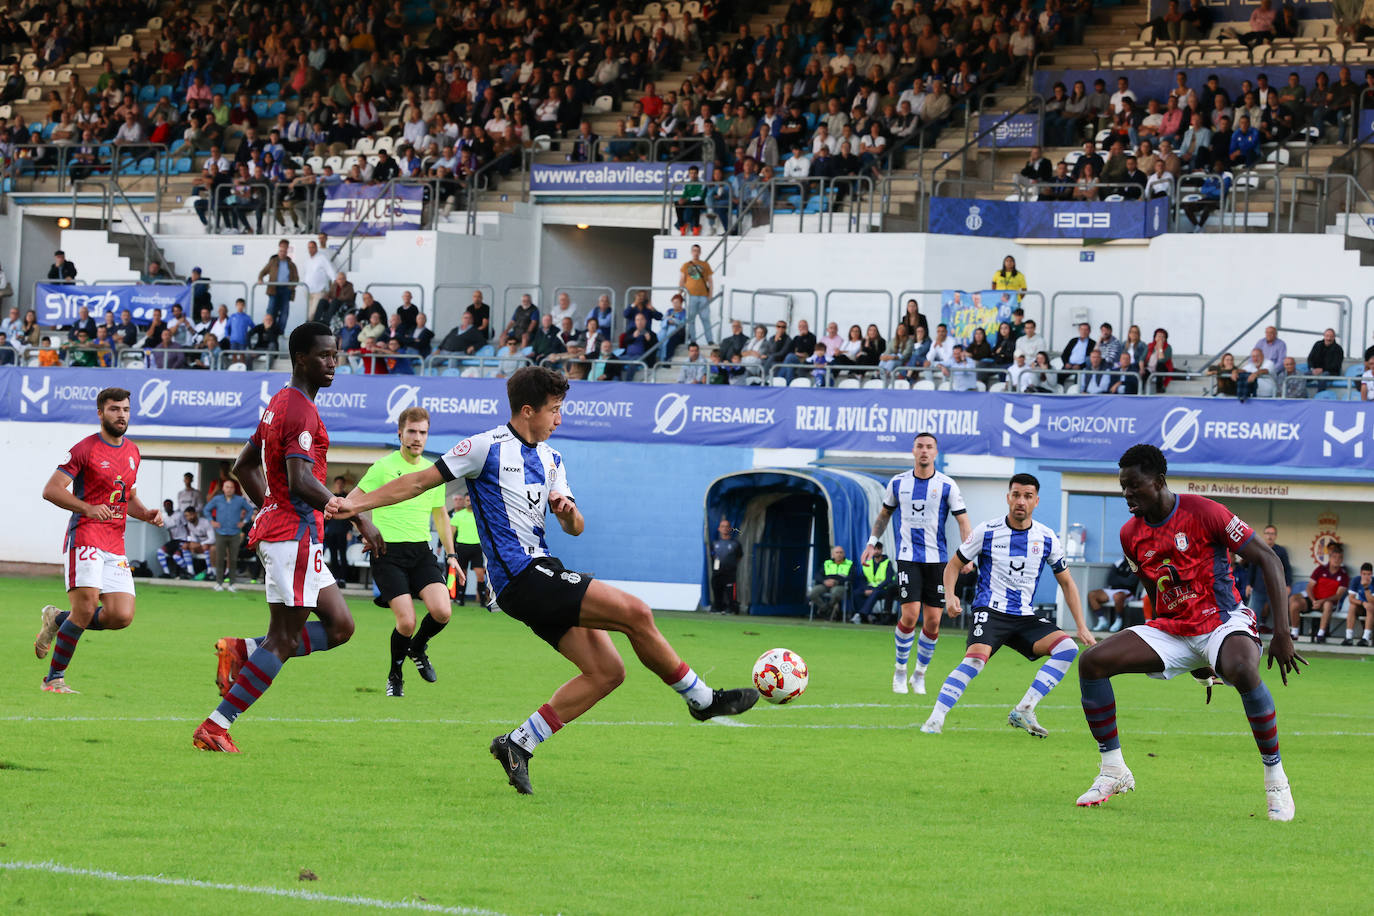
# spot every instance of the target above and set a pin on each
(690, 687)
(254, 678)
(925, 650)
(904, 638)
(1259, 709)
(1099, 707)
(537, 729)
(955, 685)
(1050, 673)
(313, 639)
(62, 648)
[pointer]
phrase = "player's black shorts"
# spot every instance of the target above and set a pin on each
(923, 582)
(996, 629)
(469, 556)
(546, 598)
(405, 569)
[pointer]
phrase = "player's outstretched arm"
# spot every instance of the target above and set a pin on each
(1259, 555)
(248, 472)
(566, 511)
(879, 526)
(1065, 580)
(956, 563)
(55, 491)
(388, 494)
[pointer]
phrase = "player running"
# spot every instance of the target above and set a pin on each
(1180, 545)
(514, 479)
(1011, 552)
(101, 471)
(926, 499)
(408, 569)
(282, 468)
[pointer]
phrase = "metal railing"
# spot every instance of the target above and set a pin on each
(1187, 297)
(1049, 328)
(488, 296)
(929, 180)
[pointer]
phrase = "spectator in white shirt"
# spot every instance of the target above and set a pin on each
(915, 97)
(564, 308)
(823, 138)
(318, 276)
(131, 131)
(797, 167)
(1255, 378)
(1030, 343)
(1161, 183)
(1367, 380)
(415, 130)
(1123, 91)
(942, 347)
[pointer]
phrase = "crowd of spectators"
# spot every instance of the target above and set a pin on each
(1134, 148)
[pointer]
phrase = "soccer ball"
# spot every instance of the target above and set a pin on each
(780, 675)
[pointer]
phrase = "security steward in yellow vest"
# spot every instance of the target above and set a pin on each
(827, 595)
(876, 587)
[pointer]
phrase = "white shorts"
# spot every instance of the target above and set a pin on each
(294, 571)
(1111, 593)
(1182, 654)
(91, 567)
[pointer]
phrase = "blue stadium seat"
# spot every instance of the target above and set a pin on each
(271, 89)
(147, 94)
(165, 92)
(452, 373)
(182, 166)
(1330, 394)
(176, 144)
(147, 166)
(260, 109)
(217, 89)
(276, 108)
(488, 350)
(233, 89)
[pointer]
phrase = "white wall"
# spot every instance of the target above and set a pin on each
(32, 451)
(1239, 276)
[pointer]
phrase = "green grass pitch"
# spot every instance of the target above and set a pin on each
(835, 804)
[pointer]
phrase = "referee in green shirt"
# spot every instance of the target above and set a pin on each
(467, 550)
(408, 568)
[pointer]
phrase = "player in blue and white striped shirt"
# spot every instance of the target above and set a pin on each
(1010, 553)
(923, 500)
(514, 479)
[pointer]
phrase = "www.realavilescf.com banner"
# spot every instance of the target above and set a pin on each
(1274, 433)
(610, 177)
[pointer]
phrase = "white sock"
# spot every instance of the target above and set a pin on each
(219, 720)
(693, 689)
(250, 645)
(1368, 633)
(1349, 633)
(1293, 632)
(1274, 775)
(1113, 758)
(1321, 631)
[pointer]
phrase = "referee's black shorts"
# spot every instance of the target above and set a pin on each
(469, 556)
(405, 569)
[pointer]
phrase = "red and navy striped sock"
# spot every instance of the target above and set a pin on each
(62, 648)
(1099, 707)
(254, 678)
(95, 623)
(1259, 708)
(313, 639)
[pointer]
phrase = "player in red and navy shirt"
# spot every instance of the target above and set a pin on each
(1326, 589)
(101, 471)
(1181, 546)
(282, 469)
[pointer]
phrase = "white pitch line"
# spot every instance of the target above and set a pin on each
(734, 723)
(55, 868)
